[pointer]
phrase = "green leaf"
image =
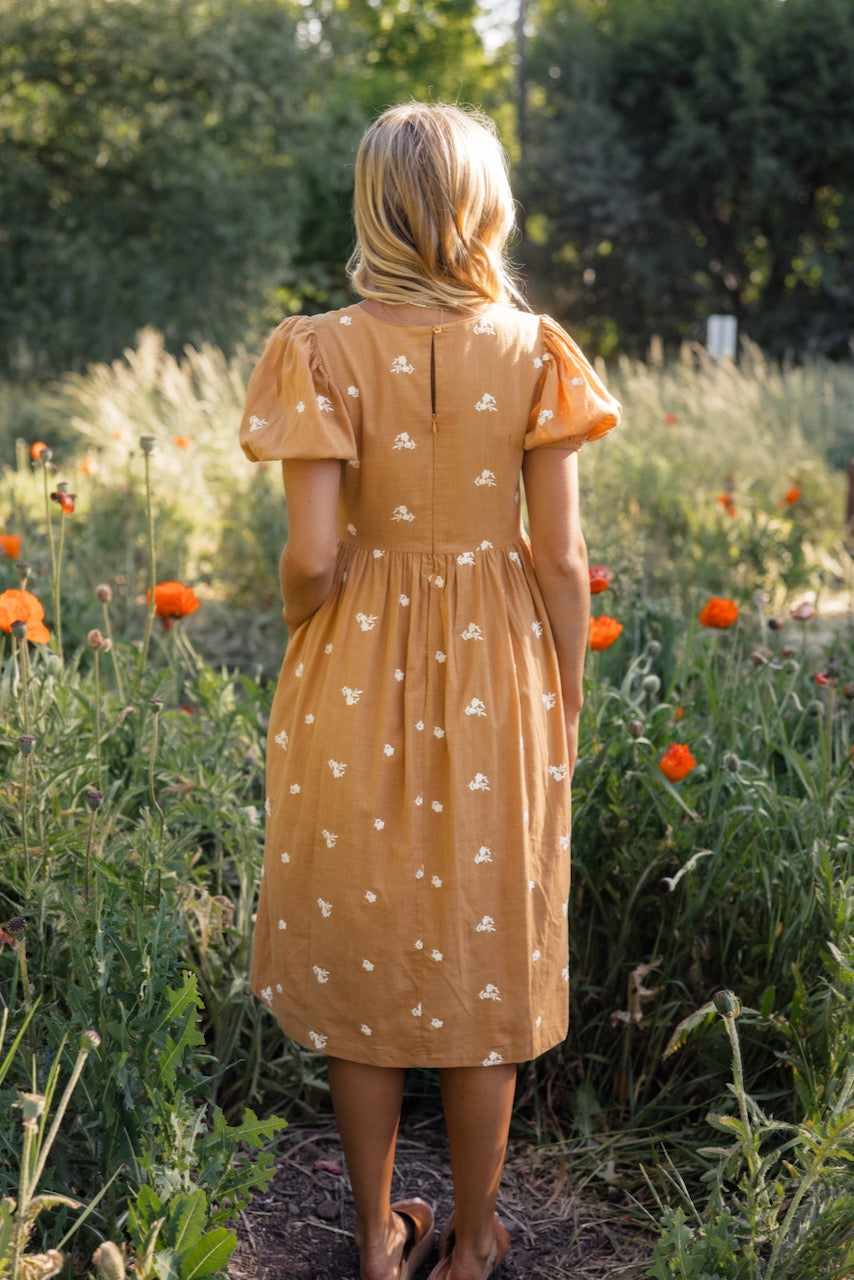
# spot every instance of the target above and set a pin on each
(167, 1265)
(185, 1220)
(210, 1254)
(683, 1029)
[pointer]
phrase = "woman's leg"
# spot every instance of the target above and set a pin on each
(367, 1102)
(478, 1102)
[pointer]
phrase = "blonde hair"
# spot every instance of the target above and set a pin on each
(433, 209)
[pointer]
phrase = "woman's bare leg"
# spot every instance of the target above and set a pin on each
(367, 1102)
(478, 1102)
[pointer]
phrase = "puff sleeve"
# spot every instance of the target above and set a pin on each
(292, 409)
(571, 405)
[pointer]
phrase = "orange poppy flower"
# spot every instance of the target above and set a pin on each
(604, 631)
(670, 419)
(10, 545)
(726, 501)
(791, 496)
(677, 762)
(182, 442)
(719, 612)
(600, 578)
(89, 466)
(173, 600)
(23, 606)
(822, 677)
(65, 500)
(37, 449)
(802, 612)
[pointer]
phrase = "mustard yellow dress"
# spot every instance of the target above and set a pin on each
(413, 902)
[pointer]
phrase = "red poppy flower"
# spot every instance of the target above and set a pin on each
(65, 500)
(604, 631)
(600, 578)
(821, 677)
(23, 606)
(670, 418)
(89, 467)
(37, 449)
(10, 545)
(727, 502)
(182, 442)
(791, 496)
(677, 762)
(173, 600)
(719, 612)
(802, 612)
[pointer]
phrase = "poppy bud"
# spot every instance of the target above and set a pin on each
(652, 683)
(109, 1261)
(103, 593)
(94, 798)
(653, 648)
(26, 742)
(89, 1040)
(731, 761)
(147, 444)
(727, 1004)
(156, 705)
(18, 628)
(634, 729)
(95, 639)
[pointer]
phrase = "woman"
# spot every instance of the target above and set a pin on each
(425, 725)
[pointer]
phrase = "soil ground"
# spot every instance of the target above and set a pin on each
(301, 1227)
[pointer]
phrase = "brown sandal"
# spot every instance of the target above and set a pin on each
(446, 1248)
(419, 1222)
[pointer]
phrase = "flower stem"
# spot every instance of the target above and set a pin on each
(97, 677)
(152, 572)
(108, 632)
(57, 573)
(24, 823)
(25, 683)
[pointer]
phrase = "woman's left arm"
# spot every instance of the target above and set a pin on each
(307, 563)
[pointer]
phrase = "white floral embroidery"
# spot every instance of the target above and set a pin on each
(354, 463)
(537, 628)
(325, 908)
(467, 557)
(338, 768)
(558, 772)
(377, 553)
(322, 975)
(419, 874)
(367, 621)
(256, 423)
(487, 925)
(286, 857)
(479, 783)
(318, 1041)
(400, 364)
(379, 825)
(281, 740)
(327, 648)
(278, 988)
(476, 708)
(472, 632)
(419, 944)
(538, 1021)
(483, 326)
(436, 882)
(295, 788)
(403, 440)
(492, 1060)
(370, 897)
(299, 670)
(437, 1023)
(351, 529)
(437, 806)
(267, 995)
(564, 842)
(564, 973)
(576, 382)
(404, 601)
(489, 992)
(484, 854)
(345, 319)
(536, 955)
(310, 718)
(514, 556)
(440, 656)
(330, 838)
(416, 1012)
(436, 955)
(564, 909)
(353, 391)
(419, 800)
(402, 513)
(419, 725)
(351, 696)
(438, 731)
(438, 581)
(486, 403)
(300, 407)
(366, 1030)
(544, 416)
(486, 478)
(367, 965)
(324, 404)
(549, 700)
(538, 362)
(486, 545)
(398, 674)
(388, 749)
(283, 924)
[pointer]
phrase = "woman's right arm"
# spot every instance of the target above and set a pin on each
(307, 564)
(560, 562)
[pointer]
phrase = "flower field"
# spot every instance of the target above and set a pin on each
(708, 1078)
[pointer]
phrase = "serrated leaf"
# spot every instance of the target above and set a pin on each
(683, 1029)
(210, 1254)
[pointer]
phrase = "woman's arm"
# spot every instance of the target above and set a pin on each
(560, 561)
(307, 562)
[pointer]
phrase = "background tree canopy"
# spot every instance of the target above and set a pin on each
(187, 163)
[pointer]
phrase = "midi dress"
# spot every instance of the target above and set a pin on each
(413, 899)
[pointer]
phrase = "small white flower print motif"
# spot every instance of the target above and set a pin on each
(398, 675)
(484, 854)
(558, 772)
(537, 628)
(419, 874)
(486, 545)
(268, 809)
(299, 670)
(281, 740)
(403, 440)
(278, 988)
(564, 842)
(317, 1040)
(576, 382)
(367, 621)
(476, 707)
(544, 416)
(486, 925)
(324, 404)
(419, 800)
(345, 319)
(369, 896)
(327, 648)
(379, 825)
(489, 992)
(438, 731)
(538, 362)
(479, 783)
(438, 581)
(400, 364)
(388, 749)
(472, 632)
(338, 767)
(353, 392)
(419, 725)
(300, 407)
(283, 924)
(536, 955)
(256, 423)
(322, 975)
(484, 326)
(437, 806)
(515, 557)
(286, 857)
(368, 966)
(295, 788)
(419, 944)
(467, 557)
(564, 973)
(267, 995)
(493, 1060)
(351, 696)
(310, 718)
(330, 838)
(486, 479)
(351, 529)
(325, 908)
(437, 956)
(365, 1029)
(403, 601)
(436, 1024)
(377, 553)
(402, 513)
(549, 700)
(436, 882)
(440, 656)
(564, 910)
(416, 1012)
(538, 1021)
(487, 404)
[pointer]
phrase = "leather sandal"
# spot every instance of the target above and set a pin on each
(418, 1219)
(447, 1240)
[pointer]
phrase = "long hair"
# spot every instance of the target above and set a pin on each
(433, 209)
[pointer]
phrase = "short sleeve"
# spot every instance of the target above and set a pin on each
(292, 409)
(571, 404)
